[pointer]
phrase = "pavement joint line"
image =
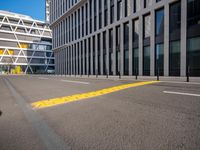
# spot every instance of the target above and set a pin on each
(79, 82)
(181, 93)
(78, 97)
(46, 134)
(43, 78)
(192, 83)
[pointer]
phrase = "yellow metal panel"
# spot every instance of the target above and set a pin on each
(1, 52)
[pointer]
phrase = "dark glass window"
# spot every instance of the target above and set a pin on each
(135, 46)
(119, 9)
(118, 42)
(94, 47)
(174, 31)
(159, 22)
(95, 15)
(111, 51)
(193, 18)
(90, 16)
(126, 49)
(99, 54)
(112, 11)
(85, 58)
(147, 26)
(193, 58)
(146, 61)
(193, 35)
(104, 53)
(135, 61)
(126, 8)
(100, 14)
(175, 18)
(83, 19)
(174, 58)
(159, 60)
(86, 20)
(105, 13)
(79, 25)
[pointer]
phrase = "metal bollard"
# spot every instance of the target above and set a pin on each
(188, 74)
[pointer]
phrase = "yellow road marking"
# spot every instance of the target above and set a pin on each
(78, 97)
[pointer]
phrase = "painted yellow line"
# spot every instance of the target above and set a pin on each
(78, 97)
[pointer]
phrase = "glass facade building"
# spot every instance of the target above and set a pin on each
(127, 37)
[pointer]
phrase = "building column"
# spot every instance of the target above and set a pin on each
(152, 44)
(71, 60)
(87, 56)
(97, 6)
(141, 45)
(66, 61)
(183, 37)
(108, 2)
(96, 54)
(130, 48)
(101, 52)
(83, 57)
(122, 50)
(76, 59)
(103, 13)
(80, 61)
(166, 40)
(91, 56)
(107, 52)
(114, 51)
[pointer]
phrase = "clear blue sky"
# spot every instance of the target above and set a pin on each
(33, 8)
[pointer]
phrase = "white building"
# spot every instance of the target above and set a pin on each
(25, 44)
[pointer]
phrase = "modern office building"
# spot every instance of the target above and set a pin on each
(126, 37)
(25, 44)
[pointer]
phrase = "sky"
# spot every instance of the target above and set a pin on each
(33, 8)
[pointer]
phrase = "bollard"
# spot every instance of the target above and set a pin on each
(136, 75)
(158, 74)
(119, 75)
(188, 74)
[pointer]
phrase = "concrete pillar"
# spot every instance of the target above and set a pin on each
(130, 47)
(141, 45)
(101, 53)
(92, 63)
(152, 44)
(80, 61)
(96, 54)
(87, 56)
(166, 40)
(122, 50)
(76, 59)
(84, 57)
(183, 37)
(107, 52)
(114, 51)
(97, 2)
(108, 2)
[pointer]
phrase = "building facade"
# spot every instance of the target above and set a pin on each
(47, 11)
(25, 44)
(127, 37)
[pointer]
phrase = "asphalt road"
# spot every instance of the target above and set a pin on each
(158, 116)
